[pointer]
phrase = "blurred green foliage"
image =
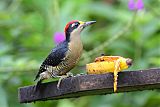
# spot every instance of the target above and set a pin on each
(26, 37)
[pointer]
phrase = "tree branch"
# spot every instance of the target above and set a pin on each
(85, 85)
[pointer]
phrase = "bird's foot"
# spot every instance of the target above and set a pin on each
(69, 74)
(61, 78)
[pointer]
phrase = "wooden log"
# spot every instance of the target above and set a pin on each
(85, 85)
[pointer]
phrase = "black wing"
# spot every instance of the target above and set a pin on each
(54, 58)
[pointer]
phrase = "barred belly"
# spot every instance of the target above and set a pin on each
(66, 65)
(72, 57)
(63, 68)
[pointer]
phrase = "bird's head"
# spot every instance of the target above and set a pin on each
(74, 28)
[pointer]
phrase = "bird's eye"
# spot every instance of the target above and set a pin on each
(75, 24)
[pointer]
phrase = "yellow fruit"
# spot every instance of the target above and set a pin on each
(105, 64)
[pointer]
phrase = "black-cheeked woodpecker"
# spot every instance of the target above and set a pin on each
(65, 55)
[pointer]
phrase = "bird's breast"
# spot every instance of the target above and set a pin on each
(75, 51)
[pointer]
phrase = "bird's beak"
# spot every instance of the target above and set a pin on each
(84, 24)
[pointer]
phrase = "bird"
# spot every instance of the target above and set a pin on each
(65, 55)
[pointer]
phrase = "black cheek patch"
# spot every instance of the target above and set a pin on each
(71, 28)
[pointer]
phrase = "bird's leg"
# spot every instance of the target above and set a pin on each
(117, 68)
(59, 81)
(69, 74)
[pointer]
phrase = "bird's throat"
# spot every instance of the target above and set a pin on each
(75, 47)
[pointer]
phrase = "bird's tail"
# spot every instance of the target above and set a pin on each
(38, 85)
(37, 76)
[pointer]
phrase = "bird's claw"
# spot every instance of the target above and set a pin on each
(69, 74)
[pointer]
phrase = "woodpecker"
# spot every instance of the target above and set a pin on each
(65, 55)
